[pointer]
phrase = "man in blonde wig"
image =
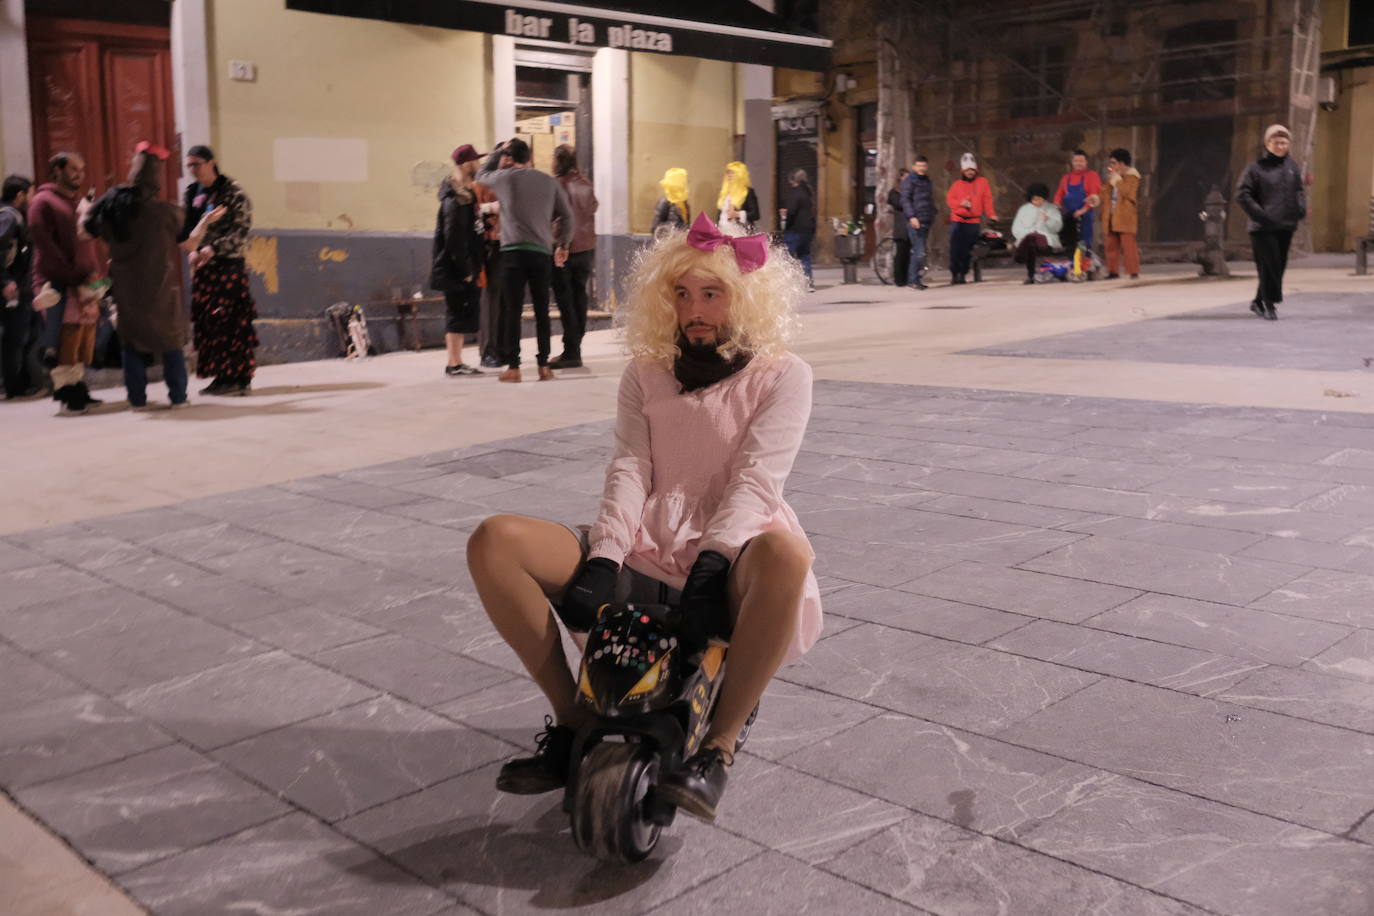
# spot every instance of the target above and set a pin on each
(711, 413)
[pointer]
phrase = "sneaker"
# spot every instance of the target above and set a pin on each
(236, 390)
(510, 375)
(565, 361)
(179, 405)
(1113, 276)
(1257, 307)
(215, 387)
(546, 770)
(462, 369)
(490, 362)
(698, 784)
(546, 374)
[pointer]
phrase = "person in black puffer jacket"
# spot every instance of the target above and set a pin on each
(1272, 195)
(799, 221)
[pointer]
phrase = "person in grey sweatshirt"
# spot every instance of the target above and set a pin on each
(530, 202)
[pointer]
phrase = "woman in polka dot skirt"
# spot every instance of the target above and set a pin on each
(222, 308)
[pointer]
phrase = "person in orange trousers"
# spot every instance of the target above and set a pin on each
(1120, 215)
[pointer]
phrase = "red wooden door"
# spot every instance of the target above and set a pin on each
(97, 89)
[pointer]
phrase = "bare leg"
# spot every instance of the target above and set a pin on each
(766, 588)
(518, 564)
(454, 343)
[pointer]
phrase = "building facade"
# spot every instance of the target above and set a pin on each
(338, 118)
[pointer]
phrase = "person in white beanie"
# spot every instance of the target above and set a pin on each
(1272, 195)
(969, 200)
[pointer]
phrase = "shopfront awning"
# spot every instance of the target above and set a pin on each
(734, 30)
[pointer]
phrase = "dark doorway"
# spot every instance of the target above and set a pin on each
(98, 88)
(1194, 157)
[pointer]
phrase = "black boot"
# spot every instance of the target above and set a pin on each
(69, 397)
(1270, 313)
(86, 395)
(698, 784)
(546, 770)
(1258, 308)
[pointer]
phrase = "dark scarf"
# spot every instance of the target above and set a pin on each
(700, 365)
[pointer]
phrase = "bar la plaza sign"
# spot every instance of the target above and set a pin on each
(581, 32)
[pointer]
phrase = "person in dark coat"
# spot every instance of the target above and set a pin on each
(141, 231)
(799, 220)
(902, 243)
(572, 278)
(918, 208)
(1272, 195)
(19, 324)
(458, 259)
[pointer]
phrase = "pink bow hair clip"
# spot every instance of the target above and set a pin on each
(751, 251)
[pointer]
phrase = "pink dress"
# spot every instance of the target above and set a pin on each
(704, 470)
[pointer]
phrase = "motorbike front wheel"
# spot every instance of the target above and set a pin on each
(609, 821)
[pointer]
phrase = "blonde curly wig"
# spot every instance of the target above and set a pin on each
(762, 302)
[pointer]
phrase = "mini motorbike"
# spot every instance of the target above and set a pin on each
(653, 708)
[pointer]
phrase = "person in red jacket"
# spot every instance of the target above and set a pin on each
(969, 200)
(1079, 193)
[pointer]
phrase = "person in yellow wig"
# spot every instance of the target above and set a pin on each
(673, 210)
(738, 205)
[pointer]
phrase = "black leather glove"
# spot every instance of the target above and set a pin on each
(588, 592)
(704, 613)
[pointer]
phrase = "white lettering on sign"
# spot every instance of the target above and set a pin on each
(624, 36)
(527, 26)
(580, 33)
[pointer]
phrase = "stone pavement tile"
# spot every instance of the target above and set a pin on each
(432, 551)
(1354, 500)
(208, 595)
(581, 476)
(1170, 534)
(998, 510)
(1307, 695)
(390, 474)
(866, 470)
(1352, 657)
(1224, 485)
(922, 614)
(1114, 475)
(244, 698)
(354, 758)
(979, 783)
(1299, 771)
(1324, 594)
(457, 485)
(57, 737)
(148, 807)
(1160, 664)
(412, 670)
(1218, 446)
(514, 853)
(24, 681)
(292, 865)
(546, 503)
(879, 563)
(204, 542)
(1302, 871)
(13, 557)
(118, 657)
(1029, 593)
(943, 869)
(1243, 633)
(327, 580)
(51, 624)
(1170, 570)
(505, 462)
(364, 495)
(243, 505)
(1364, 833)
(464, 516)
(1275, 520)
(80, 547)
(841, 488)
(1212, 855)
(1310, 553)
(792, 717)
(322, 526)
(306, 630)
(1351, 458)
(1042, 493)
(512, 711)
(950, 535)
(774, 885)
(762, 805)
(35, 584)
(962, 686)
(145, 524)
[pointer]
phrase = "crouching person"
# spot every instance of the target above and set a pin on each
(711, 413)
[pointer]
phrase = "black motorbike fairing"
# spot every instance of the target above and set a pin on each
(630, 665)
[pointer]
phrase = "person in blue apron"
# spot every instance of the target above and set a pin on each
(1079, 192)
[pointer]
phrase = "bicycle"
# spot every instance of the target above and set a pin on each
(884, 255)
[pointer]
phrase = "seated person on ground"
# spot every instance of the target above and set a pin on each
(710, 417)
(1035, 230)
